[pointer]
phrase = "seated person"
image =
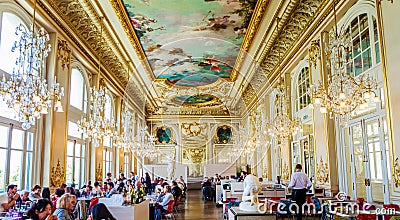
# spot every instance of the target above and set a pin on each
(41, 210)
(87, 191)
(162, 207)
(9, 198)
(111, 190)
(96, 190)
(99, 212)
(35, 193)
(176, 191)
(65, 206)
(24, 198)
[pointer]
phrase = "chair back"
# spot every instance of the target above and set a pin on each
(177, 200)
(170, 207)
(93, 201)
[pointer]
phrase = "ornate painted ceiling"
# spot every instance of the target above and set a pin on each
(188, 57)
(190, 43)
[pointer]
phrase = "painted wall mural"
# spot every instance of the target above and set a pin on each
(190, 42)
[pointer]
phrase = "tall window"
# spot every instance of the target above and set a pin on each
(16, 153)
(364, 38)
(107, 142)
(303, 80)
(127, 159)
(16, 144)
(107, 160)
(76, 146)
(9, 22)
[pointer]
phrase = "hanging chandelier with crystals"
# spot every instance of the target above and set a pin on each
(145, 145)
(126, 137)
(282, 127)
(26, 91)
(342, 93)
(96, 126)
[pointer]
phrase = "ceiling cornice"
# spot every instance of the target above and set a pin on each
(81, 23)
(296, 29)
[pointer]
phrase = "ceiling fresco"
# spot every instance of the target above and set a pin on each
(201, 99)
(191, 43)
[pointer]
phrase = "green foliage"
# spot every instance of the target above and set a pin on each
(245, 11)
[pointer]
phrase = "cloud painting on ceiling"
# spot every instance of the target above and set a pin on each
(194, 99)
(190, 42)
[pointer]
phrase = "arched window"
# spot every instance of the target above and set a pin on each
(364, 38)
(303, 83)
(76, 145)
(16, 144)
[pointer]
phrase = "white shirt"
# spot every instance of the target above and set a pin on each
(166, 199)
(299, 180)
(3, 199)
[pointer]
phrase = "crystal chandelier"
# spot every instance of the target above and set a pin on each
(282, 127)
(145, 145)
(342, 93)
(126, 138)
(26, 92)
(96, 126)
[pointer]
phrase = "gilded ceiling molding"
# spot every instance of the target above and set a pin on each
(184, 111)
(76, 16)
(64, 53)
(78, 20)
(251, 31)
(124, 19)
(298, 17)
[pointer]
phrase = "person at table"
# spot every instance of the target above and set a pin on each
(120, 186)
(24, 198)
(65, 205)
(175, 190)
(96, 191)
(148, 184)
(108, 176)
(122, 177)
(41, 210)
(100, 212)
(87, 191)
(35, 193)
(46, 193)
(111, 190)
(299, 183)
(9, 198)
(162, 207)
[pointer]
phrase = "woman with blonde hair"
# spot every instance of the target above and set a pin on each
(65, 205)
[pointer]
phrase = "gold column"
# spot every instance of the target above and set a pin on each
(56, 136)
(388, 43)
(329, 125)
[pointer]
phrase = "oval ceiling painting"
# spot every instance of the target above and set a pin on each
(196, 72)
(190, 42)
(194, 99)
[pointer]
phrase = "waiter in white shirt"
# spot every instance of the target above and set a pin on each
(300, 183)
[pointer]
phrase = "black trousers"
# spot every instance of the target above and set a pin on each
(299, 195)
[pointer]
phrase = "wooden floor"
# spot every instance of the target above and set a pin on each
(196, 208)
